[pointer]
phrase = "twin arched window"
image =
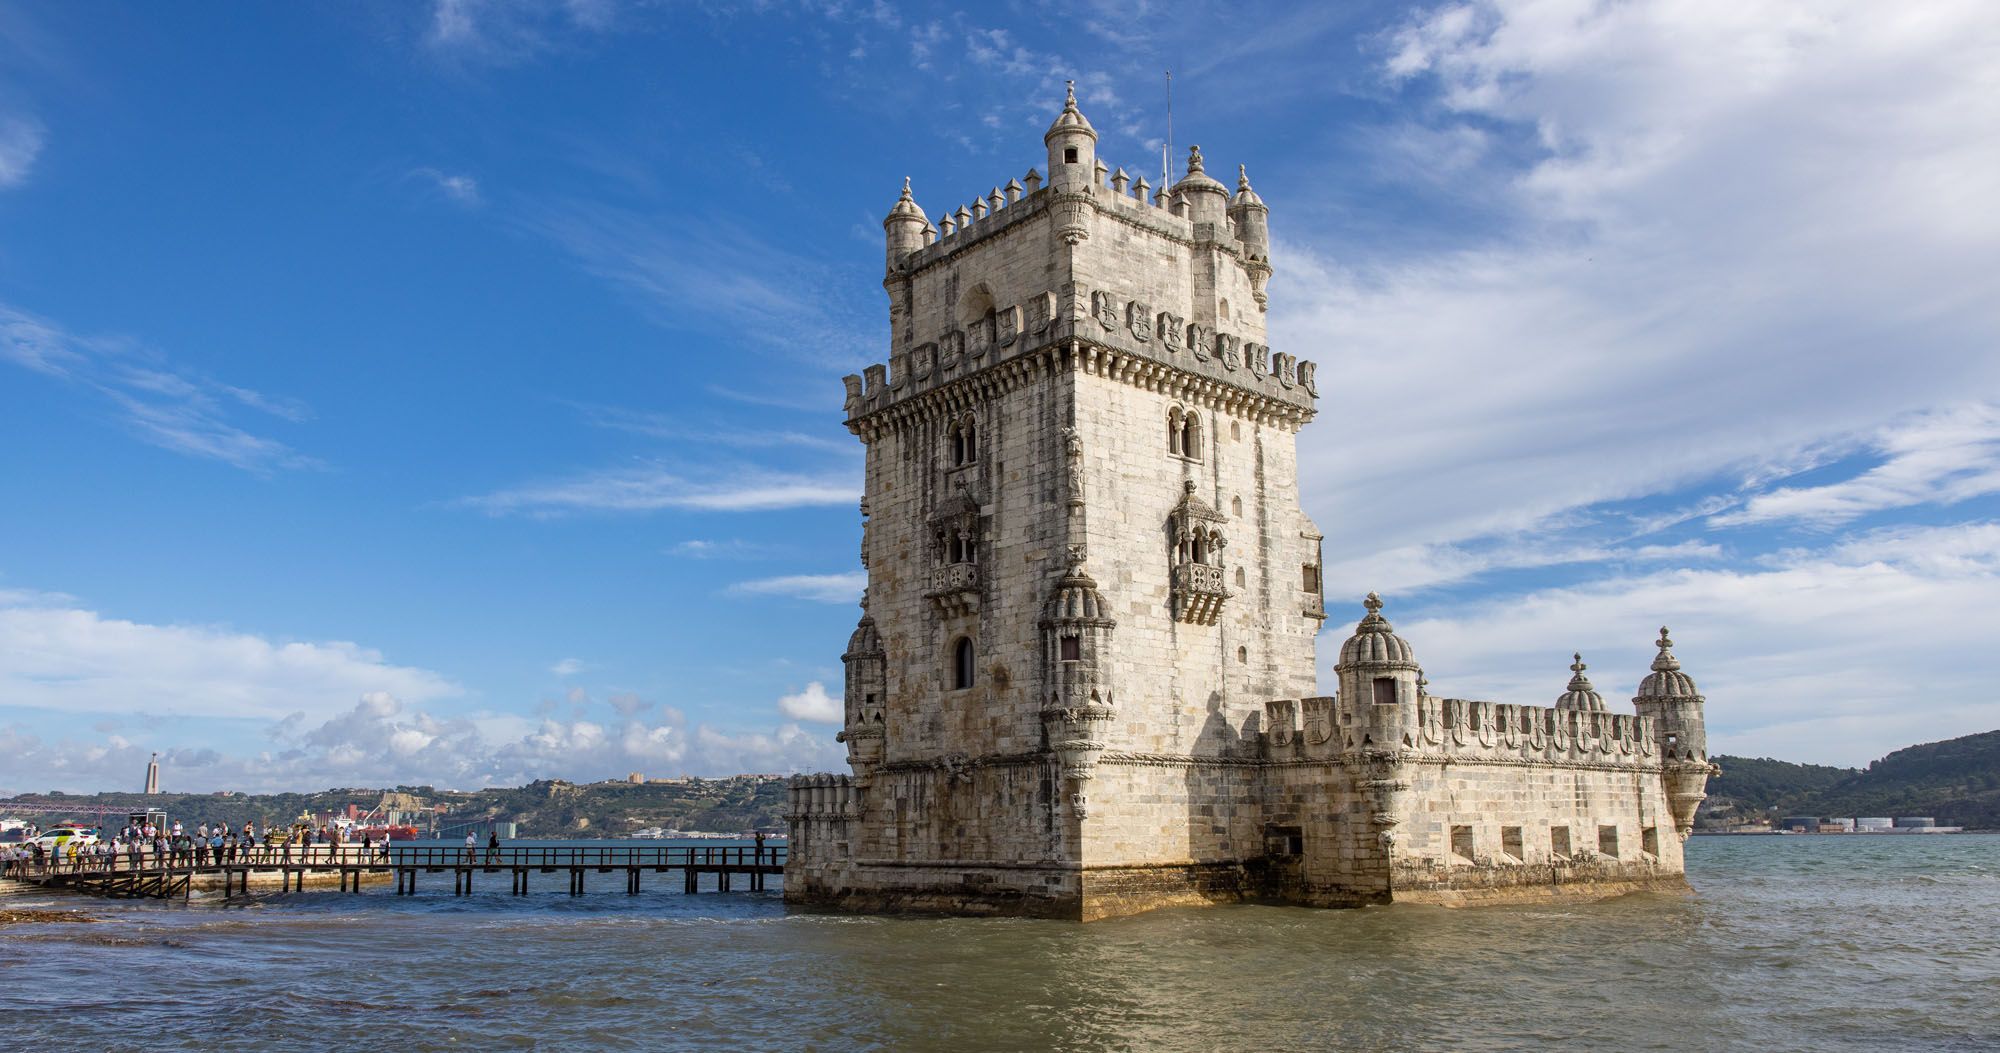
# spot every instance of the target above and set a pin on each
(962, 659)
(962, 444)
(1184, 433)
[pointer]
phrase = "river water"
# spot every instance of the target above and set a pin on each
(1791, 943)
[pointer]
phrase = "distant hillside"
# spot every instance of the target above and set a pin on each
(1957, 780)
(551, 808)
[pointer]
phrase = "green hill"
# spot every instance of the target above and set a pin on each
(1957, 781)
(551, 808)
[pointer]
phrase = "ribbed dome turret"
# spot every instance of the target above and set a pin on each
(1245, 195)
(1196, 180)
(906, 208)
(865, 639)
(1667, 681)
(1581, 695)
(1375, 644)
(1071, 120)
(1076, 601)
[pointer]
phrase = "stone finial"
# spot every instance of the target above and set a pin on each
(1665, 662)
(1576, 663)
(1013, 189)
(1374, 600)
(1194, 159)
(947, 224)
(994, 201)
(1102, 170)
(1069, 103)
(1032, 181)
(1139, 188)
(1120, 182)
(964, 217)
(1242, 177)
(978, 208)
(1189, 485)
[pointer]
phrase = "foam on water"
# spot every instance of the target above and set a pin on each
(1793, 943)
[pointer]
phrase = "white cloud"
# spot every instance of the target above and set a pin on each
(21, 141)
(460, 188)
(727, 548)
(813, 705)
(819, 588)
(1746, 230)
(647, 489)
(1938, 458)
(1834, 656)
(57, 655)
(568, 667)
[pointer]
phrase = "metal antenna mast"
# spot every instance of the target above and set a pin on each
(1167, 151)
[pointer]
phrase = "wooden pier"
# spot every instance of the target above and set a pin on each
(164, 879)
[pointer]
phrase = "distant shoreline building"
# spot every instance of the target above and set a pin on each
(1084, 682)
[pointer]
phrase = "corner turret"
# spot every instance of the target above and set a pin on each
(1072, 144)
(1379, 677)
(1253, 229)
(1670, 698)
(905, 227)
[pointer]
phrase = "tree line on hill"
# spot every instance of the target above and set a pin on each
(1957, 781)
(550, 808)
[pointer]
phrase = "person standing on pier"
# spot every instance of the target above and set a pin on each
(471, 847)
(493, 845)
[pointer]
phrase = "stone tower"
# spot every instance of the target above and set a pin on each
(1083, 680)
(1087, 564)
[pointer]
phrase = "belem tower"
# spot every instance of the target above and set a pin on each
(1083, 682)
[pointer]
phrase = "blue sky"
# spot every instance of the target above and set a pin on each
(449, 393)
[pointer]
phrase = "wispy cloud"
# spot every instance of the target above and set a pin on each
(568, 667)
(21, 141)
(679, 428)
(459, 188)
(172, 408)
(818, 588)
(653, 488)
(727, 548)
(1941, 458)
(712, 276)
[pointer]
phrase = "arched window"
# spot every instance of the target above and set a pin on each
(1223, 308)
(1191, 437)
(1239, 577)
(961, 664)
(964, 443)
(1174, 431)
(1236, 507)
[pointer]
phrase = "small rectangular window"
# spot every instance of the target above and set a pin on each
(1510, 842)
(1311, 578)
(1461, 843)
(1072, 649)
(1607, 841)
(1649, 841)
(1385, 691)
(1069, 155)
(1559, 842)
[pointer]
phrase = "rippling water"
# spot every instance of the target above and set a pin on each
(1793, 943)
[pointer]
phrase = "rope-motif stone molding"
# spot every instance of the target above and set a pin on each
(1175, 760)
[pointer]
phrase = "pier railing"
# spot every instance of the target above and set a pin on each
(402, 856)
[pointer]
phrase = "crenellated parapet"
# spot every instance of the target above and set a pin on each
(821, 800)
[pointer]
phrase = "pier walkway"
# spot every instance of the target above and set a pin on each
(157, 878)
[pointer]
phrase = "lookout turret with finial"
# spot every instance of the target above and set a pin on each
(1670, 699)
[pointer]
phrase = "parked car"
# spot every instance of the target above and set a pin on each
(58, 837)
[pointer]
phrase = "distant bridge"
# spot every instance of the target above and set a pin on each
(175, 875)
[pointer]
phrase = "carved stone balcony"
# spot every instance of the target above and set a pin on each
(1198, 593)
(955, 588)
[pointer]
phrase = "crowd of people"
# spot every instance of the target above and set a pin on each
(146, 846)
